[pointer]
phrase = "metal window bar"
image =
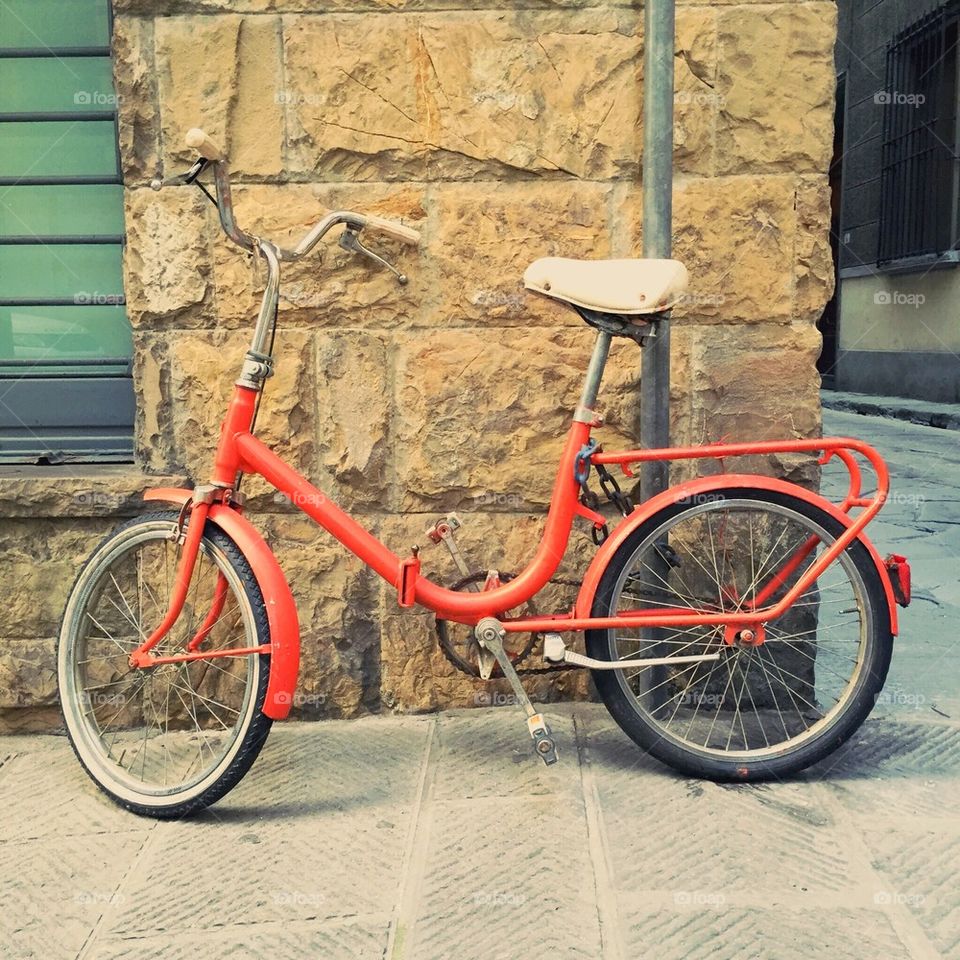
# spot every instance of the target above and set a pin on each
(920, 178)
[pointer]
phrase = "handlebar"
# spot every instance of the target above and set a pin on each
(392, 230)
(197, 139)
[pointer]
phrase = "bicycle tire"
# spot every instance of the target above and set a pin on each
(644, 730)
(249, 739)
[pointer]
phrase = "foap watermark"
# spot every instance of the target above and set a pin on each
(102, 698)
(298, 499)
(505, 501)
(698, 698)
(898, 697)
(83, 298)
(897, 98)
(888, 898)
(915, 500)
(494, 698)
(492, 299)
(297, 898)
(698, 898)
(700, 98)
(297, 98)
(98, 498)
(298, 295)
(499, 898)
(99, 897)
(499, 98)
(693, 300)
(300, 699)
(897, 298)
(699, 499)
(96, 98)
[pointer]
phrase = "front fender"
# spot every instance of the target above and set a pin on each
(281, 608)
(642, 513)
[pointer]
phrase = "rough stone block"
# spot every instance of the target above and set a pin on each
(138, 110)
(42, 558)
(483, 416)
(737, 237)
(28, 673)
(814, 268)
(778, 82)
(337, 600)
(485, 239)
(167, 269)
(202, 370)
(222, 74)
(354, 371)
(455, 96)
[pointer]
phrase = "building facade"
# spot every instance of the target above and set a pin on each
(504, 132)
(898, 174)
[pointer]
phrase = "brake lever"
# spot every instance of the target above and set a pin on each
(181, 178)
(350, 240)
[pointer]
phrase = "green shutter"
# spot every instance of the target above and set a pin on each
(65, 344)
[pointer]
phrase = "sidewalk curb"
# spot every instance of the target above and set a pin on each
(946, 416)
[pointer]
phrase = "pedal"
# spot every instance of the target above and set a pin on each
(443, 531)
(543, 741)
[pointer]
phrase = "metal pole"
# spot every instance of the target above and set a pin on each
(658, 39)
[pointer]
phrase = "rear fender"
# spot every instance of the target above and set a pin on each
(281, 608)
(706, 485)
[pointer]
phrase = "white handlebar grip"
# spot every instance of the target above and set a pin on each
(197, 140)
(393, 230)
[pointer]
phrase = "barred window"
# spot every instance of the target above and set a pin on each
(920, 177)
(66, 391)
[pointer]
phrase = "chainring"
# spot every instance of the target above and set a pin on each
(463, 653)
(458, 653)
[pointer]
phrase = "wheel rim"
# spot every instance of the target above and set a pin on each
(754, 702)
(163, 735)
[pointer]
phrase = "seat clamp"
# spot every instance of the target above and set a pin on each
(585, 415)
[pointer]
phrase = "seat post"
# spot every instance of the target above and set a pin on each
(591, 386)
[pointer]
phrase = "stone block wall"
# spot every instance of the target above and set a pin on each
(504, 132)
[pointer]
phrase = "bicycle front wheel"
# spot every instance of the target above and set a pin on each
(164, 741)
(759, 710)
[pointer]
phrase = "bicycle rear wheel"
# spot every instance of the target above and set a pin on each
(164, 741)
(758, 711)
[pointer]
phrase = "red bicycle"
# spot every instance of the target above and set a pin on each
(737, 626)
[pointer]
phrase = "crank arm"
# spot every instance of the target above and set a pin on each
(555, 651)
(490, 636)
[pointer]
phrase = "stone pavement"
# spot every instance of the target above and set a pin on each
(442, 837)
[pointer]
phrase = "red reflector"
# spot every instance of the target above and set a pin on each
(899, 570)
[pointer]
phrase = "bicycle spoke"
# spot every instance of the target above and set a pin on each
(752, 699)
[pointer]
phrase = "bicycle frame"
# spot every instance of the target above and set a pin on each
(240, 451)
